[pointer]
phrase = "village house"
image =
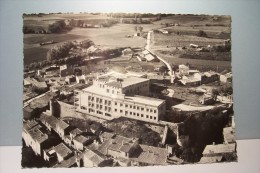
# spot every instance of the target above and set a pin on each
(70, 79)
(117, 146)
(80, 141)
(206, 99)
(35, 83)
(219, 152)
(127, 52)
(49, 121)
(183, 70)
(207, 77)
(139, 57)
(74, 161)
(95, 159)
(73, 133)
(128, 151)
(29, 74)
(65, 71)
(81, 79)
(189, 81)
(33, 108)
(148, 56)
(226, 77)
(62, 152)
(62, 129)
(149, 156)
(34, 137)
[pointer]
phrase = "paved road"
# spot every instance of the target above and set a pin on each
(147, 47)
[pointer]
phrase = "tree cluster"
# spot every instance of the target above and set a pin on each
(60, 52)
(202, 34)
(57, 27)
(86, 43)
(108, 53)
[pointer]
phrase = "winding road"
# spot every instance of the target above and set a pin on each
(147, 47)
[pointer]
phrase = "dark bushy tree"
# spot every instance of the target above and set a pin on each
(202, 34)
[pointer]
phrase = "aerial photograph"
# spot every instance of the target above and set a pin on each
(127, 89)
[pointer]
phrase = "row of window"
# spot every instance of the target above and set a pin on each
(100, 112)
(112, 91)
(137, 107)
(126, 113)
(99, 100)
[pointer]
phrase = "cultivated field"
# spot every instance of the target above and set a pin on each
(216, 27)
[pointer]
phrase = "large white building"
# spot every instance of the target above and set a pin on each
(110, 97)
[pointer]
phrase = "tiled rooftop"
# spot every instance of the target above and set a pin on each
(62, 150)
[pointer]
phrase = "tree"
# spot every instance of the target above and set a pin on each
(60, 52)
(136, 28)
(86, 44)
(202, 34)
(57, 26)
(163, 69)
(141, 28)
(215, 94)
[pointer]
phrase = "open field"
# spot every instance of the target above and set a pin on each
(34, 54)
(173, 40)
(199, 64)
(112, 37)
(189, 20)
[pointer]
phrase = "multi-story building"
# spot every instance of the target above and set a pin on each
(111, 97)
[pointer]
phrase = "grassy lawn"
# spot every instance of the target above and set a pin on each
(112, 37)
(198, 64)
(38, 38)
(34, 54)
(173, 40)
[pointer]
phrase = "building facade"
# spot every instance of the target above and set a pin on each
(110, 98)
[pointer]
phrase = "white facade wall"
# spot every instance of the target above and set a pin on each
(30, 142)
(109, 108)
(77, 145)
(114, 103)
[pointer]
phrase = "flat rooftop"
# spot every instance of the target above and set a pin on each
(135, 99)
(124, 81)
